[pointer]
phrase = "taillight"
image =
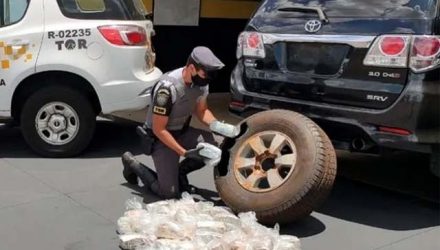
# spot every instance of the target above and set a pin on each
(250, 44)
(426, 46)
(124, 35)
(392, 46)
(425, 53)
(422, 52)
(389, 50)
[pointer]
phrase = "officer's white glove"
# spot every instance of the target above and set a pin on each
(225, 129)
(205, 152)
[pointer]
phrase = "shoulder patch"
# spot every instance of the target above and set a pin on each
(162, 98)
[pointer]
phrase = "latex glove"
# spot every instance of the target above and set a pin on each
(225, 129)
(195, 154)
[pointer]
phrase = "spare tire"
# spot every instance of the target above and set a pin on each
(282, 167)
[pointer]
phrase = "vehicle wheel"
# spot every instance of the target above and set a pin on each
(58, 122)
(282, 167)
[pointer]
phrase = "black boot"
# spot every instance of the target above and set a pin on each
(128, 174)
(147, 176)
(185, 167)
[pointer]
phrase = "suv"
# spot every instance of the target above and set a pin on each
(368, 72)
(63, 62)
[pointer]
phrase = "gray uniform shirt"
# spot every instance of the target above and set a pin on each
(174, 99)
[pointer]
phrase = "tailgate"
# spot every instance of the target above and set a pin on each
(327, 65)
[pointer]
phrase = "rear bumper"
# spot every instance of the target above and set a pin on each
(417, 110)
(126, 95)
(5, 115)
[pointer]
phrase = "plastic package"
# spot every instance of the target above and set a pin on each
(172, 231)
(217, 244)
(133, 204)
(207, 236)
(224, 129)
(287, 242)
(135, 241)
(211, 153)
(188, 225)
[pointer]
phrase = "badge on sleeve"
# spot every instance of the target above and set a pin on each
(163, 97)
(162, 102)
(159, 110)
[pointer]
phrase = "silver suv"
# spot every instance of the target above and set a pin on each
(63, 62)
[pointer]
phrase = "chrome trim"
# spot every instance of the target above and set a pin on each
(352, 40)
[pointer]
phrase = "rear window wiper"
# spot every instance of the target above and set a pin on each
(318, 10)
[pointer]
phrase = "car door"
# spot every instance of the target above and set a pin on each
(21, 31)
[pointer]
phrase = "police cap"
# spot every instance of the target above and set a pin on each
(204, 57)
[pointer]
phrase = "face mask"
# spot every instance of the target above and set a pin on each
(198, 81)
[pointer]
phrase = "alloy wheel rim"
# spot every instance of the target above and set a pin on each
(265, 161)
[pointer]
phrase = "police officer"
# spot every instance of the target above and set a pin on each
(176, 97)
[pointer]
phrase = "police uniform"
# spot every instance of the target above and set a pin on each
(174, 99)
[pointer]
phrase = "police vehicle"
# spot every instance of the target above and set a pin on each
(64, 62)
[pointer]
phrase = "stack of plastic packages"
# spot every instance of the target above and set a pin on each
(189, 225)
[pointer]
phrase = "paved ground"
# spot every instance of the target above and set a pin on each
(73, 204)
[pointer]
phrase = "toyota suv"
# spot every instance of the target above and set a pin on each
(63, 62)
(367, 71)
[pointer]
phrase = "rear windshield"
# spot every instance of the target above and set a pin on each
(104, 9)
(408, 9)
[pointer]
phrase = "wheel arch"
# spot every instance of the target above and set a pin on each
(40, 80)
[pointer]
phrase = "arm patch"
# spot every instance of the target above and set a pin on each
(162, 102)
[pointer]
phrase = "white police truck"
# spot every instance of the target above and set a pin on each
(64, 62)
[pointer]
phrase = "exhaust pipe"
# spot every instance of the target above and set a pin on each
(359, 144)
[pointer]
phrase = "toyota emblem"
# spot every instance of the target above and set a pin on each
(313, 26)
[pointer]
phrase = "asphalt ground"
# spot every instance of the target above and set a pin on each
(388, 202)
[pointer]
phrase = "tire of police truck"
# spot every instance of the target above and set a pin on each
(58, 122)
(282, 167)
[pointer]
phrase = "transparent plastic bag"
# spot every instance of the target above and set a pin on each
(204, 207)
(135, 241)
(145, 224)
(249, 223)
(187, 199)
(165, 244)
(124, 225)
(240, 245)
(287, 242)
(217, 244)
(133, 204)
(186, 225)
(231, 221)
(207, 236)
(136, 213)
(173, 231)
(234, 236)
(214, 211)
(262, 242)
(183, 217)
(211, 226)
(160, 207)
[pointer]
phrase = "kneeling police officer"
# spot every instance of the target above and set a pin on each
(177, 96)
